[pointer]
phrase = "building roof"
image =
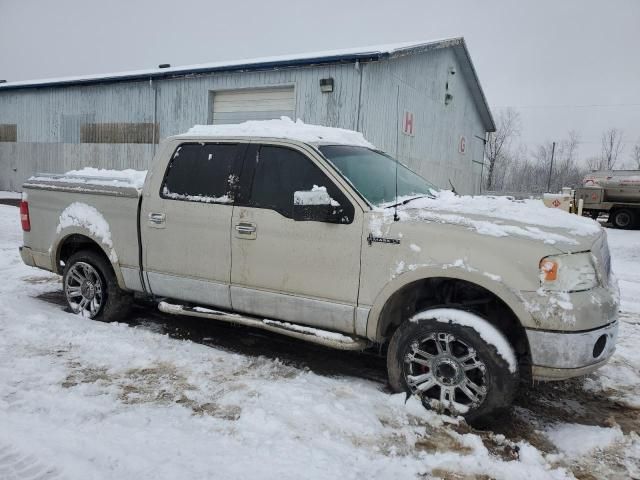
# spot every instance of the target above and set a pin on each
(350, 55)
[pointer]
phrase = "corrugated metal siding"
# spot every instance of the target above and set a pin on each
(418, 84)
(49, 120)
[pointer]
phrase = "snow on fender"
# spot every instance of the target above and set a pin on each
(84, 216)
(487, 332)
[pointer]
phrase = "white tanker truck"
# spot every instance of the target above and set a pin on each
(616, 192)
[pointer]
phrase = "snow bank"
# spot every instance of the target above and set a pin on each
(283, 128)
(97, 176)
(85, 216)
(487, 332)
(575, 440)
(502, 216)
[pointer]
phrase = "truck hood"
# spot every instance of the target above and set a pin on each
(504, 217)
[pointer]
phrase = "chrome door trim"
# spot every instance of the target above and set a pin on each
(189, 289)
(292, 308)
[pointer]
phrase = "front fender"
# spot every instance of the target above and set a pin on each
(509, 296)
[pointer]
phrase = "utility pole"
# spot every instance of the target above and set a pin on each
(553, 150)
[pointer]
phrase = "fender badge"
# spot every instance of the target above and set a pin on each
(371, 239)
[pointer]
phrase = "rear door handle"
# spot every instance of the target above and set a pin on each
(246, 230)
(157, 219)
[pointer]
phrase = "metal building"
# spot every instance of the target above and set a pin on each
(420, 101)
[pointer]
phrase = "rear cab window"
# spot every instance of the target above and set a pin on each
(203, 172)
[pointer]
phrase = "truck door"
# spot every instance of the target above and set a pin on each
(186, 220)
(300, 271)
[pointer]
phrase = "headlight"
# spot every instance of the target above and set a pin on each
(568, 273)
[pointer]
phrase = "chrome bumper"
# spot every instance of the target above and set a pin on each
(561, 355)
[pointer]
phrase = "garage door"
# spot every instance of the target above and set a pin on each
(235, 106)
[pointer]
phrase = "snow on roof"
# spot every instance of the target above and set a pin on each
(327, 56)
(282, 128)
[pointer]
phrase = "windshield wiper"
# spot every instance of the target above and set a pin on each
(404, 202)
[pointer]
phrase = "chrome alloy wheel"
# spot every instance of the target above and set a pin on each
(83, 289)
(445, 373)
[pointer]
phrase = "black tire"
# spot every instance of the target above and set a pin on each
(499, 382)
(594, 214)
(114, 303)
(623, 218)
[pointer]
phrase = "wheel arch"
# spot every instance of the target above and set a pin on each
(74, 239)
(451, 288)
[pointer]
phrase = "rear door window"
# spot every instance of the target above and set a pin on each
(203, 173)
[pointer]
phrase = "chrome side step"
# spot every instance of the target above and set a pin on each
(309, 334)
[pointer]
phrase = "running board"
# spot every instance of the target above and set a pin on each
(309, 334)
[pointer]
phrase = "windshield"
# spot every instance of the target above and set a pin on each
(373, 174)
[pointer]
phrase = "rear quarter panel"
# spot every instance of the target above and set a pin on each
(47, 234)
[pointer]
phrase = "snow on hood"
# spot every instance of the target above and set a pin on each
(282, 128)
(501, 217)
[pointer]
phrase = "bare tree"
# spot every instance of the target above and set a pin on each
(507, 128)
(635, 155)
(611, 148)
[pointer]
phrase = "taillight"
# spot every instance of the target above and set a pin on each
(24, 216)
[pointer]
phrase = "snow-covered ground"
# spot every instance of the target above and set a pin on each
(81, 399)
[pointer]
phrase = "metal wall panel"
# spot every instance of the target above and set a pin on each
(365, 98)
(418, 84)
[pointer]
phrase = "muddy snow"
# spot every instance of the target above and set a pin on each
(163, 397)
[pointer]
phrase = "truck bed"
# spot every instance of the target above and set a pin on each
(102, 206)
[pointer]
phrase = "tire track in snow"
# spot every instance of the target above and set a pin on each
(14, 465)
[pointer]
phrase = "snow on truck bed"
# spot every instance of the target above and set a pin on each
(96, 176)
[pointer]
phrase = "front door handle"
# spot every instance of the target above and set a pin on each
(245, 228)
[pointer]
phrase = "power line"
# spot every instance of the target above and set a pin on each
(592, 105)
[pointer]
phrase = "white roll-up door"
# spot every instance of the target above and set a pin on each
(235, 106)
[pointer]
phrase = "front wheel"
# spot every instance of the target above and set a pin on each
(454, 361)
(91, 289)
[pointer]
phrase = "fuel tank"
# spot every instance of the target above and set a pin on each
(618, 185)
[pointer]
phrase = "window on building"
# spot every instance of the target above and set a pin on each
(119, 133)
(279, 172)
(8, 132)
(202, 173)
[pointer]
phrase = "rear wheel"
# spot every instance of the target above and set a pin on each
(91, 289)
(623, 218)
(450, 366)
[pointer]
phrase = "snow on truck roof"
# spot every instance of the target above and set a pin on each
(283, 128)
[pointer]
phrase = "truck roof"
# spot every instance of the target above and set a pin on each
(283, 128)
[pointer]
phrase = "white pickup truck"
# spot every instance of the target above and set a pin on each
(313, 233)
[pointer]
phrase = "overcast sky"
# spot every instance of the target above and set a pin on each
(563, 64)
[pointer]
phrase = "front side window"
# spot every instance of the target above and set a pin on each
(201, 173)
(281, 172)
(373, 174)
